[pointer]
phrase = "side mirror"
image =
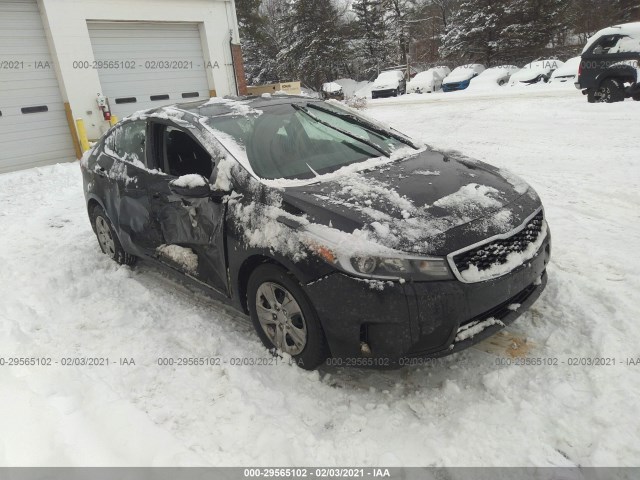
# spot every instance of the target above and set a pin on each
(190, 186)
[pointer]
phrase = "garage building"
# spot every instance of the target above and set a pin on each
(58, 57)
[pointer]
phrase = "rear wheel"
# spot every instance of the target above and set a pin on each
(107, 238)
(610, 90)
(284, 318)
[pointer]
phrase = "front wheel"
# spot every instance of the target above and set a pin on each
(107, 238)
(284, 318)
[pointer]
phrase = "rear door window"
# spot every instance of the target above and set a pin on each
(606, 44)
(128, 142)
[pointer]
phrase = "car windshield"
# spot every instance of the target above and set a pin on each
(300, 141)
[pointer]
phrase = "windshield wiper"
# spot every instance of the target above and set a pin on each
(351, 118)
(344, 132)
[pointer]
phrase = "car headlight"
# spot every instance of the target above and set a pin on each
(387, 266)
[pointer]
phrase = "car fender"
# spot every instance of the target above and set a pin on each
(624, 70)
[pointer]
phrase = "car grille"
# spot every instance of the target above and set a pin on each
(496, 252)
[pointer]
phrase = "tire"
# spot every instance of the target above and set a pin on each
(611, 90)
(395, 92)
(636, 97)
(276, 319)
(107, 238)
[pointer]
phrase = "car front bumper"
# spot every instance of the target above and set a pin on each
(450, 87)
(389, 92)
(399, 321)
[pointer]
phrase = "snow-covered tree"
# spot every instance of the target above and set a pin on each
(503, 31)
(370, 29)
(315, 48)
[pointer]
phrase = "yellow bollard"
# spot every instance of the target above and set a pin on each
(82, 134)
(113, 120)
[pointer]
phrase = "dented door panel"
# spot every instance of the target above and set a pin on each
(192, 223)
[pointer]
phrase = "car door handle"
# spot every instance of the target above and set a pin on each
(101, 172)
(155, 195)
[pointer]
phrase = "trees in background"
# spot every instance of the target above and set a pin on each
(320, 40)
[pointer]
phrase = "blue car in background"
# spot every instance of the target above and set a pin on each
(461, 76)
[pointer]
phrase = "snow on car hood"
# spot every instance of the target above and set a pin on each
(414, 205)
(423, 79)
(570, 68)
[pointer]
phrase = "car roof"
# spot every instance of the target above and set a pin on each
(217, 106)
(630, 29)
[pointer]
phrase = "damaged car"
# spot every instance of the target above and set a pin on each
(340, 237)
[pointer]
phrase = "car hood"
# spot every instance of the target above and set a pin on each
(430, 203)
(425, 80)
(459, 77)
(386, 84)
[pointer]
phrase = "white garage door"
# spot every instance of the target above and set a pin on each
(145, 65)
(33, 125)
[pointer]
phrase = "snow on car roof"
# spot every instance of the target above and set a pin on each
(497, 71)
(550, 63)
(239, 105)
(391, 74)
(631, 29)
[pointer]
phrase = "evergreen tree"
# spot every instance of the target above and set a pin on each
(374, 47)
(316, 50)
(503, 31)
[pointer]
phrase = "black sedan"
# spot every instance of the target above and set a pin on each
(340, 237)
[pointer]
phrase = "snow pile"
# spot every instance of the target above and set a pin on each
(471, 197)
(470, 330)
(331, 87)
(192, 180)
(350, 86)
(185, 257)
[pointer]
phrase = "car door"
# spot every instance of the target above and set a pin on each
(125, 164)
(191, 230)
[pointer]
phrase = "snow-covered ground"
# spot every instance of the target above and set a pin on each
(60, 297)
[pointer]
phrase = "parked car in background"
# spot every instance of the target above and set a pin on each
(427, 81)
(535, 72)
(567, 72)
(389, 84)
(610, 70)
(274, 206)
(332, 90)
(460, 77)
(494, 76)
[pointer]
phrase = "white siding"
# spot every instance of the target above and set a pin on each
(29, 139)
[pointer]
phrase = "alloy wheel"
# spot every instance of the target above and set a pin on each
(104, 237)
(281, 318)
